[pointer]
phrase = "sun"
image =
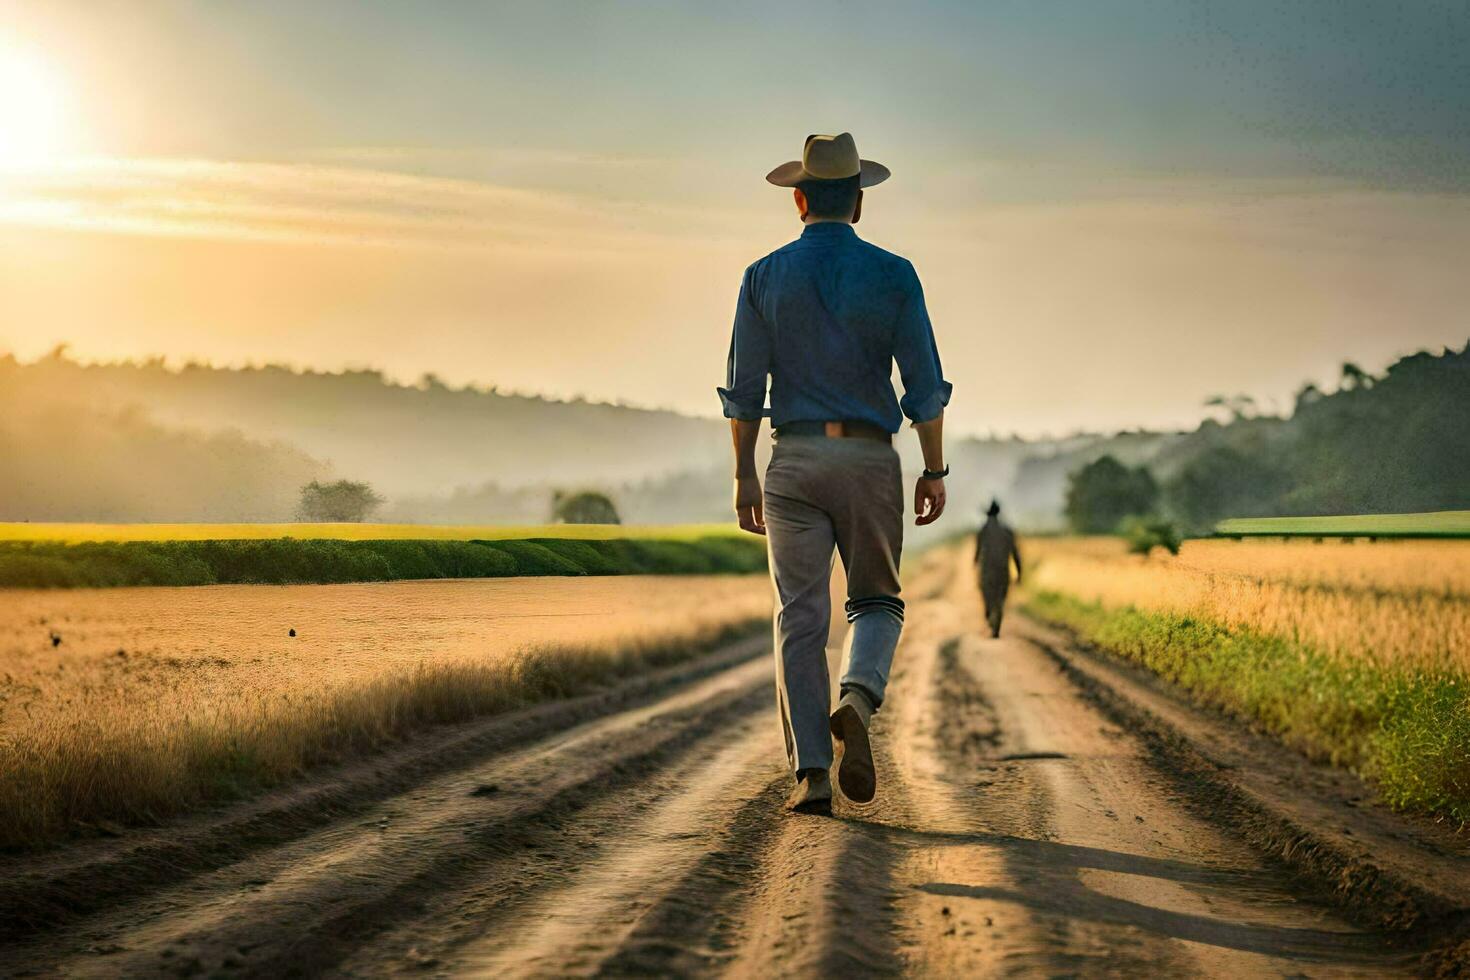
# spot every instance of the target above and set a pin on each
(33, 110)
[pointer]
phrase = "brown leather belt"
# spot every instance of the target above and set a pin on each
(836, 430)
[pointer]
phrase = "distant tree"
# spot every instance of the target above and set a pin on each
(344, 501)
(1239, 406)
(1354, 377)
(1222, 482)
(584, 507)
(1105, 492)
(1309, 394)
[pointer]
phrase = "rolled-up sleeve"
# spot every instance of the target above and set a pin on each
(925, 392)
(744, 394)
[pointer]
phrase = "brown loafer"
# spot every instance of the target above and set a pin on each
(855, 772)
(813, 793)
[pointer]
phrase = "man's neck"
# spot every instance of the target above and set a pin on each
(810, 220)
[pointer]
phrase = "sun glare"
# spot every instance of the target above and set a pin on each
(32, 110)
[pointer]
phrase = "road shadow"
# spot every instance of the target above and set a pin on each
(1050, 872)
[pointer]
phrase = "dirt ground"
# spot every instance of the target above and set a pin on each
(1017, 831)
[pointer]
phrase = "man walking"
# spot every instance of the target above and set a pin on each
(995, 550)
(825, 318)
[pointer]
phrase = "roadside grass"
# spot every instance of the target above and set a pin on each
(1439, 524)
(141, 763)
(1406, 730)
(220, 561)
(1356, 654)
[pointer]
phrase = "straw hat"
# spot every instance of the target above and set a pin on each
(829, 158)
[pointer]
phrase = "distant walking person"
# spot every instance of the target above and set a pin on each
(995, 549)
(825, 318)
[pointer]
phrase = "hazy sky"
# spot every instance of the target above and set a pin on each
(1117, 208)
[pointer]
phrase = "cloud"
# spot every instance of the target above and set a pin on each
(310, 203)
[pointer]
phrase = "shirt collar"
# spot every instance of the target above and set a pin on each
(829, 229)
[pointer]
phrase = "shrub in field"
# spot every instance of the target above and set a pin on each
(1144, 535)
(585, 507)
(345, 501)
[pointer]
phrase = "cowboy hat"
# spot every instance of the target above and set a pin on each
(829, 158)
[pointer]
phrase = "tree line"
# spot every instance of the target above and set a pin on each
(1392, 443)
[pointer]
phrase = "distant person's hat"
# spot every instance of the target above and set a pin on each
(994, 508)
(829, 158)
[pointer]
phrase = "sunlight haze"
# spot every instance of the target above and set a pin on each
(560, 198)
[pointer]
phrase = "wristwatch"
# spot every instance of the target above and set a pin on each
(936, 474)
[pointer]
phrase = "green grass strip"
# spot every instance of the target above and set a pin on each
(1439, 524)
(67, 533)
(1406, 731)
(282, 561)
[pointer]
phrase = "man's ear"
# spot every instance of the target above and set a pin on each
(857, 211)
(800, 199)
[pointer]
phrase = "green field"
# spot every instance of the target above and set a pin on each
(1440, 524)
(97, 555)
(73, 533)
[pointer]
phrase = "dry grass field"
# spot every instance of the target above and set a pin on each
(127, 705)
(1392, 603)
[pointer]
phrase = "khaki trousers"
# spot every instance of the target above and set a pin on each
(824, 495)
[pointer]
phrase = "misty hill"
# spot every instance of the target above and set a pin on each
(405, 440)
(984, 468)
(141, 442)
(66, 458)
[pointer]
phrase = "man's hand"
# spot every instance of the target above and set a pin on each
(929, 494)
(749, 505)
(928, 500)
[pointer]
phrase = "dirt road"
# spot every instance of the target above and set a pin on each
(1017, 831)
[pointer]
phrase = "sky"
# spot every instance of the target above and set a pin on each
(1117, 209)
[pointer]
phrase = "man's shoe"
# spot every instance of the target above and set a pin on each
(854, 755)
(813, 793)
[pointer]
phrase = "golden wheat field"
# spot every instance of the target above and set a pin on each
(1399, 603)
(127, 703)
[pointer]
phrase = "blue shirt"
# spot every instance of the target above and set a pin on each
(825, 317)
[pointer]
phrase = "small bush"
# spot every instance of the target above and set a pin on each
(1145, 534)
(343, 501)
(584, 507)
